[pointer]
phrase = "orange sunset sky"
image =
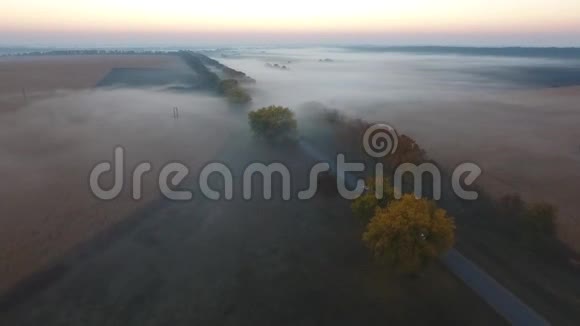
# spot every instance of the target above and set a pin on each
(532, 22)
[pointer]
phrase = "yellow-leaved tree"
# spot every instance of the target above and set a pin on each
(409, 233)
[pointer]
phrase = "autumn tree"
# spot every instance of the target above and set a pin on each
(364, 207)
(408, 151)
(275, 123)
(409, 233)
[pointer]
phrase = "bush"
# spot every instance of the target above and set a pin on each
(408, 151)
(532, 224)
(274, 123)
(409, 233)
(540, 219)
(232, 90)
(365, 206)
(238, 96)
(538, 227)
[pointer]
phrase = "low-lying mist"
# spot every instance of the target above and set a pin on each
(48, 148)
(523, 135)
(499, 112)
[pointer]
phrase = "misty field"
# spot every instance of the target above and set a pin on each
(500, 113)
(49, 146)
(28, 78)
(161, 109)
(244, 262)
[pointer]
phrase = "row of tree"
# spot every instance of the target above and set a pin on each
(90, 52)
(407, 233)
(231, 87)
(531, 226)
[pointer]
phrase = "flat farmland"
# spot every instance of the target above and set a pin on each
(50, 142)
(44, 76)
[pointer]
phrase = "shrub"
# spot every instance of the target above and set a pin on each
(537, 227)
(533, 224)
(273, 123)
(540, 219)
(233, 91)
(365, 206)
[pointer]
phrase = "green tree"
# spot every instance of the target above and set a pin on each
(238, 96)
(409, 233)
(540, 219)
(234, 92)
(364, 207)
(538, 227)
(274, 123)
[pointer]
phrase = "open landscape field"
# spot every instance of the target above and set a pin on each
(526, 142)
(52, 230)
(49, 145)
(520, 130)
(306, 163)
(243, 262)
(26, 78)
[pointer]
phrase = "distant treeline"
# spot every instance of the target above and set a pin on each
(207, 77)
(529, 52)
(228, 84)
(88, 52)
(227, 71)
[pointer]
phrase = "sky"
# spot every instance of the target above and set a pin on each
(180, 22)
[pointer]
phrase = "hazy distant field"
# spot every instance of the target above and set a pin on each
(525, 137)
(44, 76)
(499, 112)
(49, 145)
(526, 142)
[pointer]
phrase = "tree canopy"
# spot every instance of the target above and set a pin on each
(409, 233)
(233, 91)
(364, 207)
(273, 123)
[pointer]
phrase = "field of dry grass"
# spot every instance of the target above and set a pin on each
(44, 76)
(49, 145)
(526, 142)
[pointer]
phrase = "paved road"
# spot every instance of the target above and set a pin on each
(503, 301)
